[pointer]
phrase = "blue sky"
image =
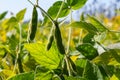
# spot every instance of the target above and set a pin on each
(17, 5)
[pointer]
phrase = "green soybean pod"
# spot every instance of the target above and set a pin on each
(50, 40)
(34, 22)
(58, 39)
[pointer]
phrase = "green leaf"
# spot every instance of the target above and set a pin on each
(100, 27)
(74, 78)
(2, 15)
(114, 77)
(80, 65)
(87, 50)
(76, 4)
(12, 21)
(88, 38)
(110, 57)
(23, 76)
(87, 26)
(49, 59)
(54, 9)
(20, 15)
(92, 72)
(43, 74)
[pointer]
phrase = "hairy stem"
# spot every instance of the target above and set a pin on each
(80, 36)
(60, 10)
(69, 34)
(19, 51)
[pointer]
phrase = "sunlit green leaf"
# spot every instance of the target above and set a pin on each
(87, 26)
(114, 77)
(23, 76)
(50, 59)
(76, 4)
(2, 15)
(87, 50)
(100, 27)
(20, 15)
(12, 21)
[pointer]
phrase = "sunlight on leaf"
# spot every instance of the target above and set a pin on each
(20, 15)
(100, 27)
(87, 26)
(50, 59)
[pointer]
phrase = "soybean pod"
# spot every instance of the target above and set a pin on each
(58, 39)
(50, 40)
(34, 21)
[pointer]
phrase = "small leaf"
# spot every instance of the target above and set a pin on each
(92, 72)
(12, 21)
(87, 50)
(2, 15)
(87, 26)
(20, 15)
(54, 9)
(100, 27)
(49, 59)
(23, 76)
(76, 4)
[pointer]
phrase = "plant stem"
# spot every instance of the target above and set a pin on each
(60, 10)
(69, 34)
(68, 46)
(51, 19)
(43, 11)
(80, 36)
(37, 2)
(68, 66)
(114, 31)
(19, 51)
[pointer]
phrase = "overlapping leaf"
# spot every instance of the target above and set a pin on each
(100, 27)
(92, 72)
(87, 26)
(54, 9)
(43, 74)
(110, 57)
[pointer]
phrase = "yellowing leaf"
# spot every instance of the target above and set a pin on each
(114, 78)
